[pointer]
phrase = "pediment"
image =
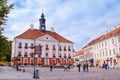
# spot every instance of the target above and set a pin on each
(47, 37)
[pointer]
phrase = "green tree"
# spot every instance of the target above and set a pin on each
(5, 49)
(5, 45)
(4, 10)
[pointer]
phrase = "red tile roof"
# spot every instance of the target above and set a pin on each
(79, 53)
(105, 36)
(35, 33)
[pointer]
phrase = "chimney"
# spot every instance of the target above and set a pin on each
(52, 29)
(31, 26)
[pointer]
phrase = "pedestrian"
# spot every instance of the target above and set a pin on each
(79, 67)
(17, 68)
(87, 66)
(106, 66)
(68, 67)
(51, 67)
(65, 67)
(84, 66)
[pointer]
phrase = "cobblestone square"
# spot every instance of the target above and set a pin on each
(9, 73)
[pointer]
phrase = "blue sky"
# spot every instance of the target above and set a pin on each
(77, 20)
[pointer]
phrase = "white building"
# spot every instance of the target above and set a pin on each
(106, 49)
(41, 46)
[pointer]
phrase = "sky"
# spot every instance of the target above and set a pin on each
(77, 20)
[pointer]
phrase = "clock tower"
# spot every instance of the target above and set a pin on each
(42, 23)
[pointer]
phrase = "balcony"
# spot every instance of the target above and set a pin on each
(47, 48)
(60, 49)
(19, 55)
(54, 56)
(31, 47)
(69, 57)
(60, 56)
(65, 56)
(65, 49)
(19, 46)
(25, 55)
(26, 47)
(54, 49)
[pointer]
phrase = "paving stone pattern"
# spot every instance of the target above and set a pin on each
(9, 73)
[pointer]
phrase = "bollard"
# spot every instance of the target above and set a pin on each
(37, 74)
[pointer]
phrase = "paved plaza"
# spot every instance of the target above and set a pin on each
(9, 73)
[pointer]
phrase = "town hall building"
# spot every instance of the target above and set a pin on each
(41, 47)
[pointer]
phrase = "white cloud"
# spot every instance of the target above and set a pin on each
(77, 20)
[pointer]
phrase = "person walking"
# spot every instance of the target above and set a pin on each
(65, 67)
(51, 67)
(87, 66)
(79, 67)
(84, 66)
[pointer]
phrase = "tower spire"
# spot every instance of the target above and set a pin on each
(42, 22)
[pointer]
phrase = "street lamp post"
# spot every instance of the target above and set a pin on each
(34, 61)
(37, 50)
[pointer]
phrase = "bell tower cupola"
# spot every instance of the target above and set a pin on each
(42, 23)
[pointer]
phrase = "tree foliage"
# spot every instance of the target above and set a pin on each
(5, 49)
(5, 45)
(4, 10)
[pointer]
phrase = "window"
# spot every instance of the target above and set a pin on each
(113, 51)
(99, 45)
(20, 45)
(100, 54)
(110, 52)
(47, 47)
(119, 39)
(106, 53)
(105, 43)
(53, 55)
(103, 54)
(119, 50)
(46, 54)
(26, 45)
(64, 48)
(102, 44)
(25, 55)
(25, 60)
(112, 41)
(69, 48)
(19, 55)
(32, 46)
(54, 47)
(115, 62)
(32, 61)
(60, 48)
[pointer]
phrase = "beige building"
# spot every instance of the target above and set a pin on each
(105, 48)
(79, 57)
